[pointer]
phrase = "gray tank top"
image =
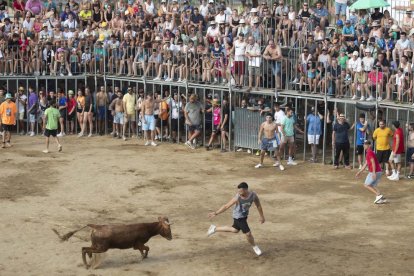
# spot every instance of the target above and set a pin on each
(241, 209)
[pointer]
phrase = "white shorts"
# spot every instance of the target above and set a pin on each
(397, 158)
(313, 139)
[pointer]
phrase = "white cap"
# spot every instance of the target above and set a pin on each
(253, 10)
(355, 53)
(242, 21)
(211, 1)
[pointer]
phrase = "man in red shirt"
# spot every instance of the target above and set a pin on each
(374, 174)
(397, 150)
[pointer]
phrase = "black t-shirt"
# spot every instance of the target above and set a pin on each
(226, 111)
(3, 5)
(341, 133)
(376, 17)
(351, 49)
(384, 62)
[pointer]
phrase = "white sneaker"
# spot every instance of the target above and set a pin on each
(276, 164)
(370, 98)
(60, 134)
(354, 97)
(179, 80)
(281, 167)
(249, 151)
(257, 250)
(45, 151)
(362, 98)
(390, 177)
(381, 201)
(379, 99)
(188, 144)
(90, 134)
(157, 78)
(80, 134)
(258, 166)
(32, 134)
(69, 74)
(377, 198)
(153, 144)
(239, 150)
(168, 79)
(123, 137)
(44, 73)
(61, 74)
(360, 167)
(147, 143)
(211, 230)
(292, 163)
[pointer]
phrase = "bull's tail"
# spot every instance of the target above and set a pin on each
(68, 235)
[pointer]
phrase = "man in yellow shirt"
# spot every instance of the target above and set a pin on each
(382, 136)
(8, 112)
(129, 100)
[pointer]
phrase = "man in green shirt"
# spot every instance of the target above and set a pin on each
(52, 119)
(288, 127)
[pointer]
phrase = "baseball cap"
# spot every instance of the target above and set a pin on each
(355, 53)
(8, 96)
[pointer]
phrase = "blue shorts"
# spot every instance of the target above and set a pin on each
(276, 67)
(149, 123)
(340, 8)
(268, 144)
(410, 152)
(119, 118)
(101, 113)
(371, 182)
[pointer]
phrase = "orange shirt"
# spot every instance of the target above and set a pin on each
(8, 113)
(164, 114)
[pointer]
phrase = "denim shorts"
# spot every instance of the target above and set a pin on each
(276, 68)
(340, 8)
(119, 118)
(371, 182)
(149, 123)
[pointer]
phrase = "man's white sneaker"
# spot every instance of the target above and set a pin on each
(249, 151)
(381, 201)
(258, 166)
(281, 167)
(390, 177)
(157, 78)
(377, 198)
(32, 134)
(354, 97)
(292, 163)
(370, 98)
(257, 250)
(188, 144)
(394, 177)
(276, 164)
(90, 135)
(362, 98)
(147, 143)
(239, 149)
(211, 230)
(153, 144)
(379, 99)
(61, 134)
(45, 151)
(80, 134)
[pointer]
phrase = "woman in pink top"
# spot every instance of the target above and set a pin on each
(34, 6)
(216, 110)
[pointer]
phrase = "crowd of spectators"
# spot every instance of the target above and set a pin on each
(362, 54)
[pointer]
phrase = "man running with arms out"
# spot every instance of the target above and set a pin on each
(242, 201)
(52, 115)
(374, 174)
(270, 140)
(148, 120)
(8, 111)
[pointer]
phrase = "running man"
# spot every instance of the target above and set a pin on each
(374, 175)
(270, 141)
(242, 201)
(8, 111)
(52, 115)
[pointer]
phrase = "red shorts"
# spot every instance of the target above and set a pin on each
(210, 39)
(239, 67)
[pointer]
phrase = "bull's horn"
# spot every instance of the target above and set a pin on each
(169, 223)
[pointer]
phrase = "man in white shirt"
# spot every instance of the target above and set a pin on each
(70, 22)
(254, 56)
(239, 57)
(212, 33)
(27, 25)
(358, 76)
(204, 9)
(21, 100)
(48, 58)
(401, 46)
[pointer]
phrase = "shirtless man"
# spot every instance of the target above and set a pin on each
(148, 120)
(273, 54)
(270, 141)
(117, 25)
(101, 102)
(118, 107)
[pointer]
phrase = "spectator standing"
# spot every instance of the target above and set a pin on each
(362, 132)
(52, 120)
(340, 9)
(288, 126)
(239, 62)
(254, 55)
(410, 150)
(8, 111)
(398, 149)
(71, 112)
(340, 141)
(32, 108)
(273, 54)
(374, 174)
(382, 137)
(21, 100)
(192, 113)
(129, 100)
(63, 107)
(314, 128)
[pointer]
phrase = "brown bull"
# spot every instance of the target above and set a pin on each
(122, 236)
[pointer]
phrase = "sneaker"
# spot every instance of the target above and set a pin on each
(258, 166)
(239, 150)
(147, 143)
(80, 134)
(381, 201)
(390, 177)
(61, 74)
(156, 137)
(59, 148)
(90, 135)
(188, 144)
(211, 230)
(44, 73)
(379, 99)
(281, 167)
(32, 134)
(292, 163)
(168, 79)
(276, 164)
(354, 97)
(249, 151)
(153, 144)
(258, 153)
(157, 78)
(377, 198)
(370, 98)
(360, 167)
(257, 250)
(123, 137)
(45, 151)
(60, 134)
(69, 74)
(362, 98)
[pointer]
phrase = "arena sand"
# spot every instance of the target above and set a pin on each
(319, 221)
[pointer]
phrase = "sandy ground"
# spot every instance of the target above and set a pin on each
(319, 221)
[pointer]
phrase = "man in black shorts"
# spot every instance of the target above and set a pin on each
(242, 203)
(52, 118)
